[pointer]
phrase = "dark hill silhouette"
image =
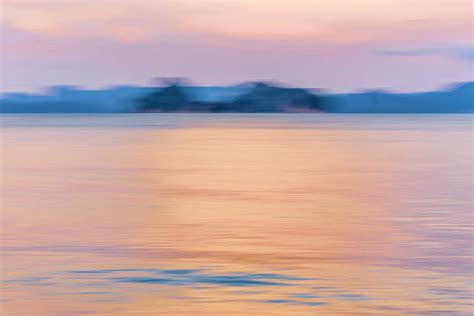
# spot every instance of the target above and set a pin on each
(262, 97)
(265, 97)
(169, 99)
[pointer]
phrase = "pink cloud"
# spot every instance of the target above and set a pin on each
(223, 41)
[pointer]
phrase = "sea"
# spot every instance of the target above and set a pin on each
(236, 214)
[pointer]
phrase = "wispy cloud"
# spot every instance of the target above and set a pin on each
(457, 51)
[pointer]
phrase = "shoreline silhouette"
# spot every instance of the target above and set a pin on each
(175, 96)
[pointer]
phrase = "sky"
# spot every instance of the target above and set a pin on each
(336, 45)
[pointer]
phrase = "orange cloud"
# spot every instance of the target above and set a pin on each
(348, 21)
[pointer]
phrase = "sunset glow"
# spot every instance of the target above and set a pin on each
(338, 45)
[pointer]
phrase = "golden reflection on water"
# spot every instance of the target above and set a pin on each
(267, 218)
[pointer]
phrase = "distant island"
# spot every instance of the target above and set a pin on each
(254, 97)
(261, 97)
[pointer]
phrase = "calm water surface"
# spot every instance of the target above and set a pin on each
(164, 214)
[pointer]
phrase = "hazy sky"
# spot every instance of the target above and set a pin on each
(340, 45)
